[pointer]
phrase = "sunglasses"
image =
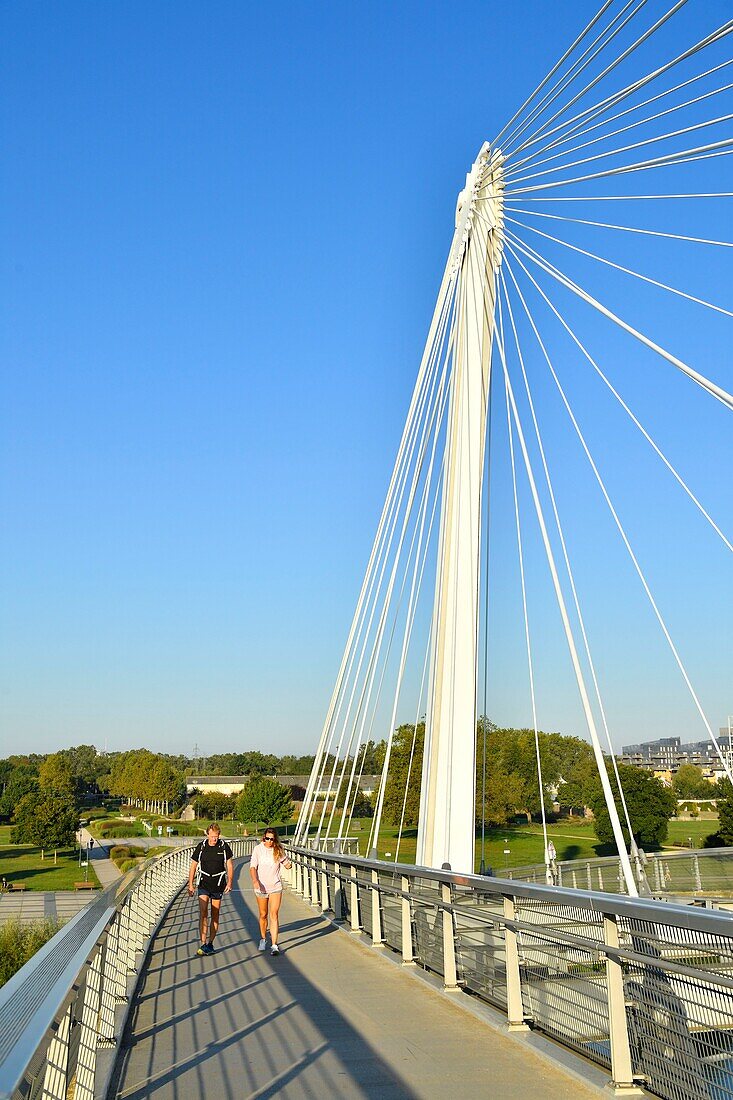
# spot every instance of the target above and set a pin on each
(272, 838)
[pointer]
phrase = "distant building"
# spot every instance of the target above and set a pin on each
(667, 754)
(233, 784)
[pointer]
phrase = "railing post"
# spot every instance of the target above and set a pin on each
(324, 886)
(86, 1058)
(450, 975)
(306, 879)
(354, 903)
(621, 1069)
(55, 1084)
(377, 936)
(514, 1007)
(338, 893)
(408, 955)
(314, 883)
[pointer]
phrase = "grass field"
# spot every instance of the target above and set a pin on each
(679, 832)
(21, 864)
(572, 839)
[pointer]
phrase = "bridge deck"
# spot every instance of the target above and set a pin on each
(322, 1020)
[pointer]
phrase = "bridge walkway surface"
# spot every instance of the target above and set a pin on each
(327, 1018)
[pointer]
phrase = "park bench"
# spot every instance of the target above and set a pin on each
(16, 887)
(85, 886)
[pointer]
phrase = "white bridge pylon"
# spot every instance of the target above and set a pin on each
(448, 790)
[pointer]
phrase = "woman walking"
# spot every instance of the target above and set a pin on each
(264, 867)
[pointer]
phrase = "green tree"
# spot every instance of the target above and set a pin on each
(56, 776)
(725, 811)
(371, 756)
(649, 802)
(265, 800)
(215, 805)
(141, 775)
(45, 820)
(23, 780)
(87, 765)
(399, 768)
(689, 782)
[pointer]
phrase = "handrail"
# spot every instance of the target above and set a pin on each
(642, 987)
(665, 854)
(77, 979)
(710, 921)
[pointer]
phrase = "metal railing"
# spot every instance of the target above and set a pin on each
(64, 1005)
(641, 987)
(698, 872)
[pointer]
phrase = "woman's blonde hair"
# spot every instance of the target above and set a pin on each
(277, 849)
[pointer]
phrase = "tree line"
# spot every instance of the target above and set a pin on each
(507, 784)
(43, 795)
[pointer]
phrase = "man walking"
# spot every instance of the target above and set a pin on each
(214, 858)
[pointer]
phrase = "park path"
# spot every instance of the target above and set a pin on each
(328, 1018)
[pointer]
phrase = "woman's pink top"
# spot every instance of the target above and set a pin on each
(268, 868)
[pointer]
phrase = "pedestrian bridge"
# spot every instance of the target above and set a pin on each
(393, 982)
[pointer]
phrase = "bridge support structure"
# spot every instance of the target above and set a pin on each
(447, 800)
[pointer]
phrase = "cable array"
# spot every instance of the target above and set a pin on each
(643, 88)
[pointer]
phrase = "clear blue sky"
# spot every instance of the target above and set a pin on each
(223, 230)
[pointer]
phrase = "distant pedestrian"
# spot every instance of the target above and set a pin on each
(213, 859)
(264, 867)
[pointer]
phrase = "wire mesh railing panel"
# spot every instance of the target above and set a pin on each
(341, 896)
(564, 975)
(680, 997)
(391, 905)
(702, 873)
(564, 993)
(365, 906)
(427, 916)
(481, 947)
(680, 1033)
(684, 947)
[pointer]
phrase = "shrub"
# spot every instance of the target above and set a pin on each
(119, 851)
(119, 828)
(128, 865)
(19, 942)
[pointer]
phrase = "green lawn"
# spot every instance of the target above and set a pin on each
(572, 839)
(679, 832)
(22, 864)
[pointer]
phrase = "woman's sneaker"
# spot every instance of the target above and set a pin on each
(262, 945)
(274, 950)
(202, 949)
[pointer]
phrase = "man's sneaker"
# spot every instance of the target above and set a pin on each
(209, 949)
(274, 950)
(202, 949)
(262, 945)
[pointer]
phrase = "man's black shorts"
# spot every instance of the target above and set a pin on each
(215, 895)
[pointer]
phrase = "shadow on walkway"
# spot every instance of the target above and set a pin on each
(323, 1020)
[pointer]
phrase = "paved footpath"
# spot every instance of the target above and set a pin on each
(327, 1019)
